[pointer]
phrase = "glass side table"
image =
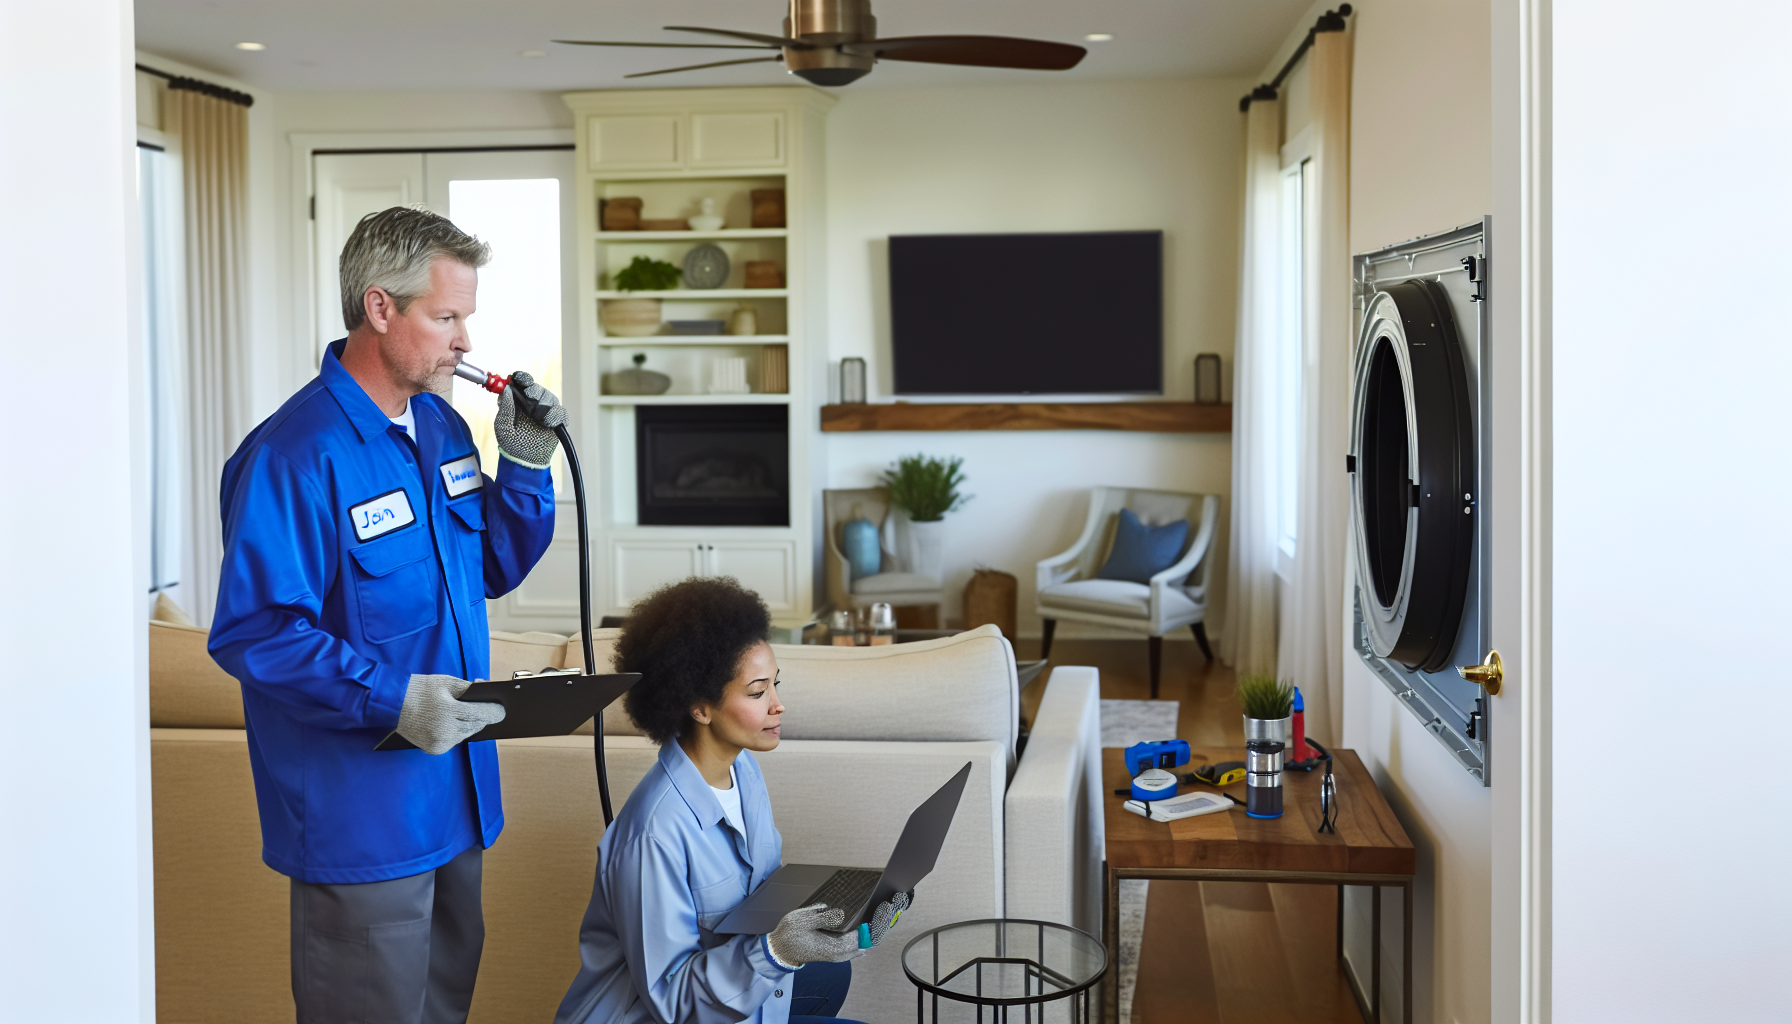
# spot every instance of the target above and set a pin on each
(1002, 964)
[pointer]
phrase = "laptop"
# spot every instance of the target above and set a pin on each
(857, 891)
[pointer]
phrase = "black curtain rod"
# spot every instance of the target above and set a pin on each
(1330, 21)
(241, 99)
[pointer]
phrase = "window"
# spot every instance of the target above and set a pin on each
(517, 324)
(1290, 359)
(158, 192)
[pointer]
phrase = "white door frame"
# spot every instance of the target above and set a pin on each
(1522, 440)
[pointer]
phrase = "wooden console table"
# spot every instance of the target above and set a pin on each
(1370, 848)
(1152, 417)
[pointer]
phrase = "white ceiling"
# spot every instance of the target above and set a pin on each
(430, 45)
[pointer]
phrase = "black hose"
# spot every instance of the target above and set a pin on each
(578, 490)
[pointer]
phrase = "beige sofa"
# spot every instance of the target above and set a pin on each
(869, 733)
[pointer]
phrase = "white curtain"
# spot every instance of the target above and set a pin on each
(214, 146)
(1249, 640)
(1311, 647)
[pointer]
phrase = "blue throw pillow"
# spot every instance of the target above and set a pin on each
(1141, 552)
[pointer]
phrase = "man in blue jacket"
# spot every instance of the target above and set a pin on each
(361, 541)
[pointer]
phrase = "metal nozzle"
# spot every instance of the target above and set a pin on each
(489, 381)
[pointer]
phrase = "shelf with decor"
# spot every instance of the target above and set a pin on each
(647, 161)
(723, 235)
(700, 294)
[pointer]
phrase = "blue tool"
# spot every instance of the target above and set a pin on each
(1165, 754)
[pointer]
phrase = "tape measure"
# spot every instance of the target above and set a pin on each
(1223, 773)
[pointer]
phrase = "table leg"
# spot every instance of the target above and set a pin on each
(1110, 938)
(1340, 921)
(1375, 955)
(1406, 958)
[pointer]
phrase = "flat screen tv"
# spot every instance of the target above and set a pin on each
(1033, 314)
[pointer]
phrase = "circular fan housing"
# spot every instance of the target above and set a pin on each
(1412, 475)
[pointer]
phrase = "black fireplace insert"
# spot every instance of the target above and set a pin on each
(712, 465)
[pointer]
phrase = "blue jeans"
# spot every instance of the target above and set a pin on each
(819, 991)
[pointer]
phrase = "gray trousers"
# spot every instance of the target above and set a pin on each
(403, 951)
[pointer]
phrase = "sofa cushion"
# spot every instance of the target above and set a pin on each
(187, 689)
(1113, 597)
(527, 652)
(956, 688)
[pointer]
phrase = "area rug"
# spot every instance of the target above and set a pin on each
(1123, 723)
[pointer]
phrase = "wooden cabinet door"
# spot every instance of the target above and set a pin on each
(753, 139)
(639, 567)
(767, 567)
(636, 143)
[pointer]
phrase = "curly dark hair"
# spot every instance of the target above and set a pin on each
(686, 639)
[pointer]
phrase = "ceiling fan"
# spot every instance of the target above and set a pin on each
(834, 42)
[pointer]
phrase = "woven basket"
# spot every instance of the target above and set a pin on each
(990, 597)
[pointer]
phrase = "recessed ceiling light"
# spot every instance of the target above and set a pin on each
(1098, 37)
(251, 46)
(532, 54)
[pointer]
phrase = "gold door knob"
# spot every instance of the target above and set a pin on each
(1488, 675)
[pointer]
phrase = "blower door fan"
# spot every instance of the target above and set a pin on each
(1412, 475)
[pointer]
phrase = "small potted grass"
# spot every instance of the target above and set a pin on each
(1268, 705)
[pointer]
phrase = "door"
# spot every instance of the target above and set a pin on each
(766, 567)
(520, 201)
(639, 567)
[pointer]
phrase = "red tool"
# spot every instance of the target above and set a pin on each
(489, 381)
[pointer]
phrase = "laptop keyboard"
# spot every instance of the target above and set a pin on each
(848, 890)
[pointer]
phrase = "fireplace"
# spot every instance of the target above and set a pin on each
(712, 465)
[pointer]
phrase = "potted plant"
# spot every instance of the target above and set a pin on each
(925, 488)
(638, 318)
(1268, 707)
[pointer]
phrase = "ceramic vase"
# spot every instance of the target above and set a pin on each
(631, 318)
(858, 542)
(926, 549)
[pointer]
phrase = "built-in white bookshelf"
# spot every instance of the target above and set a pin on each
(672, 149)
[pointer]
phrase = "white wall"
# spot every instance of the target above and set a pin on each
(76, 904)
(1421, 162)
(1670, 604)
(1038, 156)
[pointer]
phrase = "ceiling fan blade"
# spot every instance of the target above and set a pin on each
(794, 44)
(699, 67)
(679, 46)
(978, 51)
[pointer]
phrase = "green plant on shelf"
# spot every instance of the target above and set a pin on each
(645, 274)
(925, 487)
(1265, 697)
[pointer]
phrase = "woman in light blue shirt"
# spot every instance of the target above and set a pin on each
(696, 836)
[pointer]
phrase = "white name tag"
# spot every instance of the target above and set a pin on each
(382, 515)
(462, 476)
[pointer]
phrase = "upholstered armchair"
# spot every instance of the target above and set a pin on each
(891, 585)
(1068, 587)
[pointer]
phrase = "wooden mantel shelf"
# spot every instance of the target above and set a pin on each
(1152, 417)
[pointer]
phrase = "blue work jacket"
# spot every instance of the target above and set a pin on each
(355, 557)
(668, 870)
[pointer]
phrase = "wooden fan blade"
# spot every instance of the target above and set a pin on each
(978, 51)
(794, 44)
(676, 46)
(698, 67)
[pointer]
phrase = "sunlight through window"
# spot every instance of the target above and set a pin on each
(517, 324)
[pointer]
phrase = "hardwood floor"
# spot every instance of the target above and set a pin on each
(1216, 951)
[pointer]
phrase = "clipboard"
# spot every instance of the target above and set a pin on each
(545, 705)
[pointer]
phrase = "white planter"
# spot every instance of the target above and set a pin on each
(925, 549)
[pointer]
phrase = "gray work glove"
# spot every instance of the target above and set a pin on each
(887, 914)
(521, 438)
(433, 719)
(802, 937)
